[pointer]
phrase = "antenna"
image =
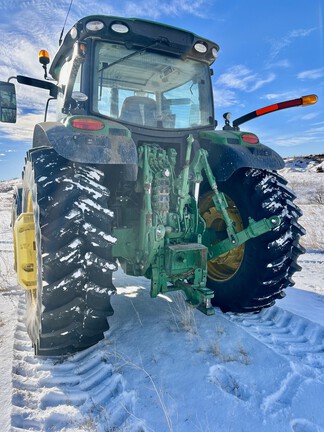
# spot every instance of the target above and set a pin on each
(67, 15)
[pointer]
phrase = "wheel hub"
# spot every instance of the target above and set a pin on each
(225, 266)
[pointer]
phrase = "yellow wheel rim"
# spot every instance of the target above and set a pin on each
(30, 209)
(224, 267)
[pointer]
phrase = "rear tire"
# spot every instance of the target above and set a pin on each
(254, 275)
(68, 310)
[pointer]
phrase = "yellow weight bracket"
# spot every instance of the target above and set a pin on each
(24, 231)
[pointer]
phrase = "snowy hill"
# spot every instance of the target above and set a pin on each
(312, 163)
(306, 177)
(165, 367)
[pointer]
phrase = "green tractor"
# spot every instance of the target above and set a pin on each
(133, 171)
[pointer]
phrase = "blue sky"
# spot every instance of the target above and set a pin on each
(271, 51)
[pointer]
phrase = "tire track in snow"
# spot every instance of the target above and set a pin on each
(289, 335)
(297, 339)
(82, 392)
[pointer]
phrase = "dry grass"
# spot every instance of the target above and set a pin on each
(243, 355)
(318, 196)
(183, 314)
(314, 237)
(7, 273)
(225, 353)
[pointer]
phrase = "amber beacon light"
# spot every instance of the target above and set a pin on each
(43, 57)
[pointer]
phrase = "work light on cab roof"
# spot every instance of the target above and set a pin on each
(95, 26)
(119, 28)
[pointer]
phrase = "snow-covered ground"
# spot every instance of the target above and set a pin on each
(165, 367)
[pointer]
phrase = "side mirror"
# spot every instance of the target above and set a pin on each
(8, 105)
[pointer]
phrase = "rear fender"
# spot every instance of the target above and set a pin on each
(113, 145)
(227, 154)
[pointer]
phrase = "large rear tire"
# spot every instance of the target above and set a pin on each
(254, 275)
(68, 310)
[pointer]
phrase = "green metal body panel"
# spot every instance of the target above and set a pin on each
(227, 153)
(111, 145)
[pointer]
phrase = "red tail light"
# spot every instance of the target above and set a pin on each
(249, 138)
(87, 123)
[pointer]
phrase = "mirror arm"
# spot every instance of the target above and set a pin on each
(46, 85)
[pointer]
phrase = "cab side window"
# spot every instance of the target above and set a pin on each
(63, 81)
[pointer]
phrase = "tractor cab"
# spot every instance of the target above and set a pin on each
(139, 73)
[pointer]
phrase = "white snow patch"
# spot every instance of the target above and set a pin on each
(95, 175)
(108, 237)
(87, 204)
(75, 244)
(90, 228)
(67, 257)
(91, 190)
(72, 214)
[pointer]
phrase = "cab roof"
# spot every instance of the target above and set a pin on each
(136, 34)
